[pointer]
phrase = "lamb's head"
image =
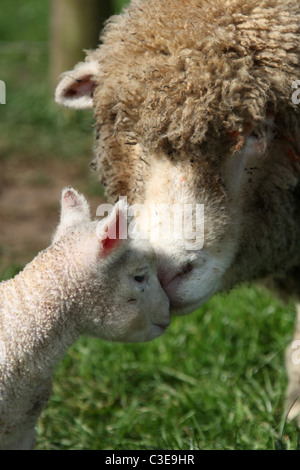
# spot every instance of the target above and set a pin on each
(204, 116)
(118, 295)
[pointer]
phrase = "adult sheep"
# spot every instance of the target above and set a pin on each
(193, 104)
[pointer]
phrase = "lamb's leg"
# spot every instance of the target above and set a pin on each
(293, 371)
(25, 442)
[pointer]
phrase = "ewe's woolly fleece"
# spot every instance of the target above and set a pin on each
(197, 67)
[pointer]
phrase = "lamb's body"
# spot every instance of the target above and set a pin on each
(193, 104)
(36, 329)
(66, 291)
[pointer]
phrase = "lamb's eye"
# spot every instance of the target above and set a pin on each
(139, 278)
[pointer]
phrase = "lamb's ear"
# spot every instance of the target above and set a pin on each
(75, 211)
(76, 87)
(113, 229)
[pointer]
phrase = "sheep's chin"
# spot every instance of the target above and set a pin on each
(182, 304)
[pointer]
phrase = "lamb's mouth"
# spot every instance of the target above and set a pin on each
(163, 326)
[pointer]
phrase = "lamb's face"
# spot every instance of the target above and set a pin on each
(133, 306)
(117, 294)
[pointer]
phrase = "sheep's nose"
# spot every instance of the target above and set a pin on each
(170, 278)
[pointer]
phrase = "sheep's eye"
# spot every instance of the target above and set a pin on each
(139, 278)
(254, 134)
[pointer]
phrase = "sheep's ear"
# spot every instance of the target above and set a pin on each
(75, 211)
(112, 230)
(247, 154)
(76, 88)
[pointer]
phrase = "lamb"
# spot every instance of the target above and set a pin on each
(193, 104)
(86, 282)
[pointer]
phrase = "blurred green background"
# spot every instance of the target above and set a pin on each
(43, 147)
(215, 380)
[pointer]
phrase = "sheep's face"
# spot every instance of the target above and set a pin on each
(246, 186)
(240, 198)
(187, 218)
(175, 116)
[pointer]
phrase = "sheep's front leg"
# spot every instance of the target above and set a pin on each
(293, 371)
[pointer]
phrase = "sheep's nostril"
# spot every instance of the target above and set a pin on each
(172, 276)
(188, 268)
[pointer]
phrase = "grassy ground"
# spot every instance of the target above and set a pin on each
(215, 380)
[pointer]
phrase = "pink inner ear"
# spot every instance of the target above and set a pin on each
(70, 199)
(83, 87)
(112, 240)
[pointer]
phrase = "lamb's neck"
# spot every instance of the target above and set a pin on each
(39, 309)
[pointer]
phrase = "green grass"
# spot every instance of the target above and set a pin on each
(215, 380)
(31, 120)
